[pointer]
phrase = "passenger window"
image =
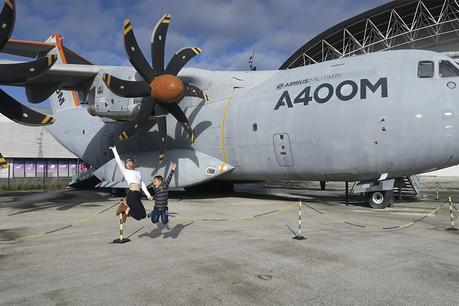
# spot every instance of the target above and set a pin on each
(447, 69)
(425, 69)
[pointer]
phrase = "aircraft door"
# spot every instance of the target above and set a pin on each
(283, 150)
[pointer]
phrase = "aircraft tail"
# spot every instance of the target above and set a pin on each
(61, 99)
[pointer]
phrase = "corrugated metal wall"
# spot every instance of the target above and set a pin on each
(18, 141)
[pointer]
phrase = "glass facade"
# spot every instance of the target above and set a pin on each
(20, 167)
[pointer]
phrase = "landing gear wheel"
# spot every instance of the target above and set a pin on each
(381, 199)
(118, 192)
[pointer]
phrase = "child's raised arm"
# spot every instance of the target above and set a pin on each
(173, 166)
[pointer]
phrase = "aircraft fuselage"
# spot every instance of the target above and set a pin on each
(349, 119)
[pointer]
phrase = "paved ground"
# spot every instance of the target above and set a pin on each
(241, 261)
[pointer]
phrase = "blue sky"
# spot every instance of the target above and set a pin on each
(226, 30)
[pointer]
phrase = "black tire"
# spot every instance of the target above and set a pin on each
(381, 199)
(118, 192)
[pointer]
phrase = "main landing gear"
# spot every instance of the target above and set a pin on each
(380, 199)
(379, 194)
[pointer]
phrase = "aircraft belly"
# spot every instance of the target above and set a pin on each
(193, 167)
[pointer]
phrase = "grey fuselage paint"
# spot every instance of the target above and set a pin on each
(361, 117)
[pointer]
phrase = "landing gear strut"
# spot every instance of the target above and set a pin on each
(322, 185)
(381, 199)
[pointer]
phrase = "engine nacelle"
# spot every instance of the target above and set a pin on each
(103, 103)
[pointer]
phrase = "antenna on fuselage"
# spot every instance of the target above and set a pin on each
(252, 67)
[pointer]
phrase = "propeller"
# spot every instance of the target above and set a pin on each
(19, 73)
(160, 88)
(3, 163)
(7, 18)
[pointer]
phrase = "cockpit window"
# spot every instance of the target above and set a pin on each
(447, 69)
(425, 69)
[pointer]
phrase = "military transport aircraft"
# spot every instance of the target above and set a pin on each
(369, 118)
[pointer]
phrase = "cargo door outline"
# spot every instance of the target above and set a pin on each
(107, 140)
(283, 150)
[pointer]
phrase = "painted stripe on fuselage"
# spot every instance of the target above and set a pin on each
(60, 48)
(225, 115)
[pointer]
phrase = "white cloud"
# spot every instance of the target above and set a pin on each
(226, 30)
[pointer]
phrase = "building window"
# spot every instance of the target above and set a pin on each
(18, 168)
(63, 168)
(41, 166)
(73, 167)
(254, 127)
(425, 69)
(52, 168)
(30, 169)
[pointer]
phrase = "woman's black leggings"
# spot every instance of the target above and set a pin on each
(136, 208)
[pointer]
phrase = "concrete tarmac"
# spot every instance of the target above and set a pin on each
(55, 249)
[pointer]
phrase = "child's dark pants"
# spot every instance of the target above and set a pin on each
(163, 213)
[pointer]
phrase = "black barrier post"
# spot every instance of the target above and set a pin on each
(436, 196)
(9, 170)
(451, 215)
(347, 193)
(299, 236)
(121, 239)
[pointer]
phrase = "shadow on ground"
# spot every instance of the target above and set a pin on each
(25, 202)
(173, 232)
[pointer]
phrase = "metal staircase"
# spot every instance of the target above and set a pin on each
(408, 185)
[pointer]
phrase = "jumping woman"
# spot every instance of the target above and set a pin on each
(134, 207)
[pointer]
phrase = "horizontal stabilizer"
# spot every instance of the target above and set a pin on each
(193, 168)
(33, 49)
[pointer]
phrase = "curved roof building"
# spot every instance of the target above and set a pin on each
(401, 24)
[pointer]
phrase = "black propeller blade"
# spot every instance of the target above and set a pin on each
(158, 42)
(193, 91)
(135, 55)
(15, 73)
(20, 113)
(160, 114)
(3, 163)
(178, 113)
(145, 111)
(126, 89)
(180, 59)
(7, 17)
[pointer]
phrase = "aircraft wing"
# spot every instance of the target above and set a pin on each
(73, 74)
(33, 49)
(64, 76)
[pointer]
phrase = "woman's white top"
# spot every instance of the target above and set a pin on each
(131, 176)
